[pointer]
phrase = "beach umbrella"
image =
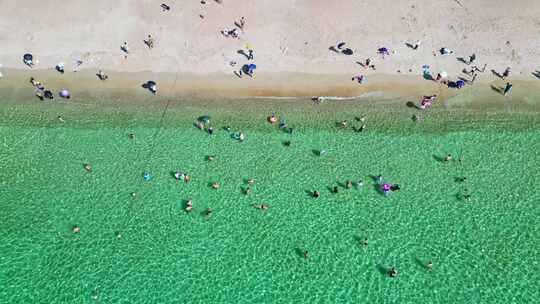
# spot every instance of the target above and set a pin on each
(204, 119)
(152, 86)
(460, 84)
(252, 66)
(28, 59)
(443, 74)
(64, 93)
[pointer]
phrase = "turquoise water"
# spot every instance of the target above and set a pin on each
(483, 250)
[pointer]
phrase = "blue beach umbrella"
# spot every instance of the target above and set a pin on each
(460, 84)
(252, 66)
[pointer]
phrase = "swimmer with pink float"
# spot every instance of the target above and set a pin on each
(387, 188)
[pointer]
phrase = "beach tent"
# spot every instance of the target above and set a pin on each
(64, 93)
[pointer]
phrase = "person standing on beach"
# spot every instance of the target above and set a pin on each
(507, 88)
(417, 44)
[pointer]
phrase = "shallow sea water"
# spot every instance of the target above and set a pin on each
(483, 251)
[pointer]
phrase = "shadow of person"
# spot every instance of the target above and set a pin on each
(409, 45)
(461, 59)
(497, 74)
(497, 89)
(333, 49)
(438, 158)
(411, 104)
(299, 252)
(536, 74)
(419, 263)
(383, 270)
(242, 52)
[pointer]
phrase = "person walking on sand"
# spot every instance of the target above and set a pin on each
(507, 88)
(125, 48)
(149, 42)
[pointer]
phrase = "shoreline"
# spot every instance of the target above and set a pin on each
(126, 86)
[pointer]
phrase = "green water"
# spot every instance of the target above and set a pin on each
(484, 250)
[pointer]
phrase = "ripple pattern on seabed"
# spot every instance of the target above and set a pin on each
(483, 250)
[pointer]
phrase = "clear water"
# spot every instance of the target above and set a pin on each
(484, 250)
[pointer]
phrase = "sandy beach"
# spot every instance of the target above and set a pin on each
(290, 40)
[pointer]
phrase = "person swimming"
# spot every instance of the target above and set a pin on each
(316, 194)
(189, 206)
(272, 119)
(261, 206)
(386, 189)
(393, 273)
(178, 175)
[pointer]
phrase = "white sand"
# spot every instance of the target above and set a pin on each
(287, 35)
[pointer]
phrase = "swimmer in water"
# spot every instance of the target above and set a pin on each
(272, 119)
(316, 194)
(215, 185)
(448, 158)
(393, 273)
(262, 206)
(386, 189)
(349, 184)
(429, 266)
(365, 242)
(189, 206)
